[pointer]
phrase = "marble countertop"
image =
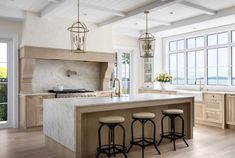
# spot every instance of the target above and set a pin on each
(91, 101)
(35, 94)
(204, 91)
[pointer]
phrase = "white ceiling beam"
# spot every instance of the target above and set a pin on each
(194, 20)
(103, 9)
(53, 6)
(162, 22)
(57, 4)
(55, 1)
(10, 13)
(198, 7)
(152, 7)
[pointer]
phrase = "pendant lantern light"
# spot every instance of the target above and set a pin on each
(78, 34)
(147, 42)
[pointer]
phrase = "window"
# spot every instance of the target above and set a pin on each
(218, 66)
(172, 46)
(195, 67)
(199, 42)
(206, 57)
(148, 70)
(173, 66)
(212, 40)
(191, 67)
(233, 36)
(233, 65)
(223, 38)
(191, 43)
(3, 83)
(177, 68)
(180, 45)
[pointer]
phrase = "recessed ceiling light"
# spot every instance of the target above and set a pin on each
(171, 12)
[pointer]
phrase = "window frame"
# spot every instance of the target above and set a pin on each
(205, 48)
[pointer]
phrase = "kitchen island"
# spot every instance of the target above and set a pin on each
(71, 124)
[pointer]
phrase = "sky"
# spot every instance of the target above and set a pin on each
(3, 54)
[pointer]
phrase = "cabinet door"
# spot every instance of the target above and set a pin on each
(199, 111)
(230, 109)
(32, 107)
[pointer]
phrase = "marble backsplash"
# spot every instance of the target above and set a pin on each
(49, 73)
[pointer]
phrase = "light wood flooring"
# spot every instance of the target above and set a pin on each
(208, 142)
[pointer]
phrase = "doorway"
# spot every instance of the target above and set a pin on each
(124, 70)
(4, 108)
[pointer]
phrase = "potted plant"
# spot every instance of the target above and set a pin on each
(163, 78)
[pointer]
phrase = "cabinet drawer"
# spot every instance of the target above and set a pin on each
(214, 105)
(214, 96)
(213, 116)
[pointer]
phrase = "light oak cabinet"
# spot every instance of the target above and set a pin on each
(199, 110)
(230, 109)
(31, 110)
(212, 110)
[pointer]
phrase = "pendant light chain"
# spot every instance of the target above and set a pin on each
(78, 10)
(146, 13)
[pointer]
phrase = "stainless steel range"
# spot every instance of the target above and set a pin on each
(72, 93)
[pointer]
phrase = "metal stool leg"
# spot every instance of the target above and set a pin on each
(143, 123)
(154, 137)
(110, 135)
(132, 135)
(162, 130)
(173, 130)
(183, 130)
(99, 139)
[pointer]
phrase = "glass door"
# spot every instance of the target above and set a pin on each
(3, 84)
(124, 70)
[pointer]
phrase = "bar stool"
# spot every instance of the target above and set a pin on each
(173, 135)
(143, 118)
(111, 148)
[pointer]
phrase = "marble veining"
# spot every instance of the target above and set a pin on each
(59, 122)
(49, 73)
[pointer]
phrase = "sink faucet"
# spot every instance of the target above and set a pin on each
(200, 83)
(119, 86)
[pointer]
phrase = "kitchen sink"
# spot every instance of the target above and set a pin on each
(198, 95)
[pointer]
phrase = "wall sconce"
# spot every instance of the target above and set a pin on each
(70, 72)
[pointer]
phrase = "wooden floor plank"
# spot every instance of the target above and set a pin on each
(208, 142)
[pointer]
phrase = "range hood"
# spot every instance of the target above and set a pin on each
(29, 55)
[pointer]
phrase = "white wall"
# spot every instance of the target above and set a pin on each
(10, 28)
(53, 33)
(158, 60)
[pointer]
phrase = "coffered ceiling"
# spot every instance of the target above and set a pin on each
(125, 15)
